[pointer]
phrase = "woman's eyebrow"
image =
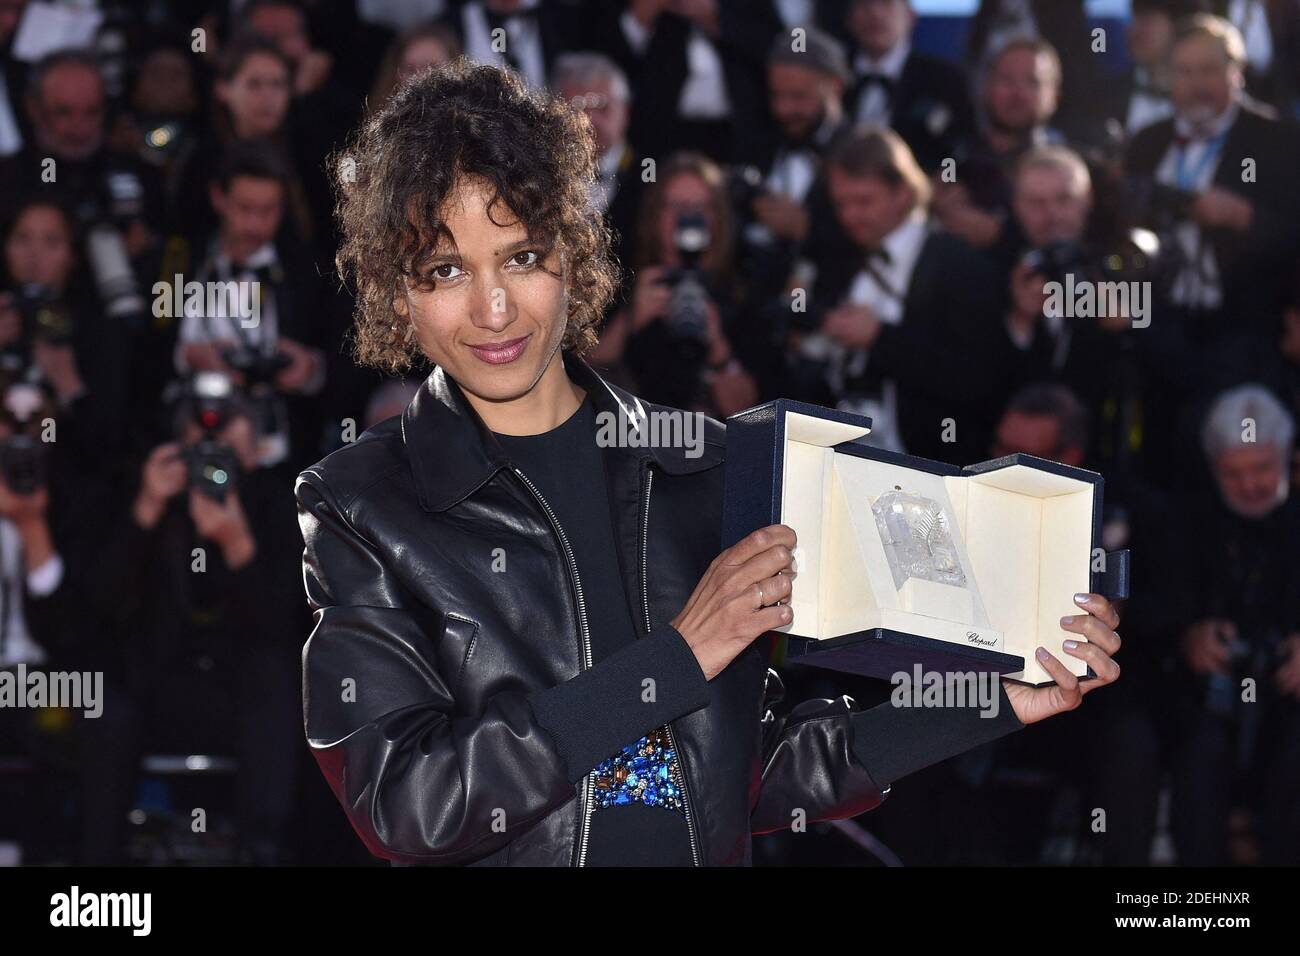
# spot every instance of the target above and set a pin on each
(515, 246)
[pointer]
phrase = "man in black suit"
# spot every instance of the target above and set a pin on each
(1019, 92)
(1230, 229)
(595, 84)
(922, 98)
(1061, 23)
(1139, 97)
(525, 35)
(790, 212)
(698, 80)
(909, 332)
(1052, 204)
(281, 353)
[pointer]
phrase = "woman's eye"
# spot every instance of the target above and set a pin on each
(527, 258)
(445, 271)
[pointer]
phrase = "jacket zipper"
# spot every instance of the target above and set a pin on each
(588, 783)
(678, 763)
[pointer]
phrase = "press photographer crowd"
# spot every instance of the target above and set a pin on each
(1041, 226)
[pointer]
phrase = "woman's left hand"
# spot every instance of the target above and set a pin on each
(1033, 704)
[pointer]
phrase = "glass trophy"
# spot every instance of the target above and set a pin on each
(918, 539)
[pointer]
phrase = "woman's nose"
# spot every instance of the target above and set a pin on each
(490, 304)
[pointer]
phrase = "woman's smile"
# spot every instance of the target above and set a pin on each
(501, 353)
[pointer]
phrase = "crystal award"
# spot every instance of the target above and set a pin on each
(918, 539)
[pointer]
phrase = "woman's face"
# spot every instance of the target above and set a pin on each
(684, 194)
(39, 249)
(257, 96)
(495, 317)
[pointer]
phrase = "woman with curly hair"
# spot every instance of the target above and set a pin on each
(527, 649)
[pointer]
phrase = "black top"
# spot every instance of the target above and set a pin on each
(567, 467)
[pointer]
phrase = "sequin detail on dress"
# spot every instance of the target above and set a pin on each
(643, 772)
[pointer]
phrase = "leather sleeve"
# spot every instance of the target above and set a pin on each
(837, 756)
(419, 782)
(809, 764)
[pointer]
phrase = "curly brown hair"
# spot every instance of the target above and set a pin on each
(538, 156)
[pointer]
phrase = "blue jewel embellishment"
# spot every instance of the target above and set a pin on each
(642, 772)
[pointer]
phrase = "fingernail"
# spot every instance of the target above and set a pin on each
(1070, 645)
(1042, 653)
(1067, 620)
(1081, 598)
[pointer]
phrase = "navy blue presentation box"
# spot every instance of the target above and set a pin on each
(1003, 546)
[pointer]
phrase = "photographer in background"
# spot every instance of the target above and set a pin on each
(195, 581)
(1223, 605)
(47, 518)
(250, 96)
(112, 195)
(594, 83)
(1052, 201)
(268, 337)
(682, 336)
(1019, 90)
(1216, 181)
(906, 331)
(1139, 96)
(53, 333)
(159, 116)
(782, 201)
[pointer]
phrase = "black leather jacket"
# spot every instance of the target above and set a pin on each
(417, 671)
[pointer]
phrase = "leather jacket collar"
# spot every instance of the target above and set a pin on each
(440, 417)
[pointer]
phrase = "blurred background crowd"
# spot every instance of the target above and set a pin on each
(859, 203)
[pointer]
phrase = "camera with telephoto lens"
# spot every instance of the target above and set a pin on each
(257, 367)
(1133, 256)
(1259, 653)
(1055, 260)
(23, 455)
(212, 466)
(687, 318)
(44, 315)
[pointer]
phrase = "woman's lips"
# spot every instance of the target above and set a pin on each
(501, 353)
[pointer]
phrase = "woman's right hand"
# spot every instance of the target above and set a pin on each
(727, 610)
(163, 476)
(650, 297)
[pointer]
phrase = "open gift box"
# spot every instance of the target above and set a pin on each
(903, 560)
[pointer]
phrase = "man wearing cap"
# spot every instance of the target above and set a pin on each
(806, 78)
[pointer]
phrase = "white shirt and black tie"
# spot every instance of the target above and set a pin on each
(881, 285)
(877, 84)
(1190, 164)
